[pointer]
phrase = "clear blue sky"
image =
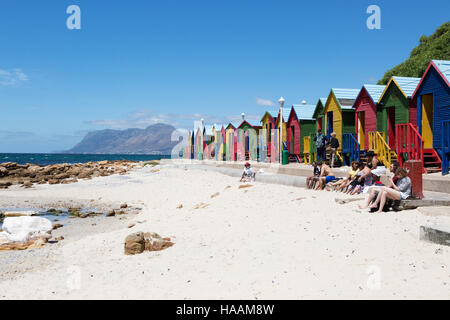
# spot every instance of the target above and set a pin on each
(137, 62)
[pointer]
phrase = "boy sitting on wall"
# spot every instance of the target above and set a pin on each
(311, 181)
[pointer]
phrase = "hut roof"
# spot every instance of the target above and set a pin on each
(443, 67)
(304, 111)
(374, 91)
(345, 97)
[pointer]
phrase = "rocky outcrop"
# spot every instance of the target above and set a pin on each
(27, 175)
(139, 242)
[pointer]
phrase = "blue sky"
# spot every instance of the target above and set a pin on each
(137, 62)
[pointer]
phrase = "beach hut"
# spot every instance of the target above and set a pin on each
(281, 120)
(339, 115)
(224, 142)
(231, 142)
(192, 144)
(198, 144)
(433, 114)
(248, 135)
(318, 113)
(218, 142)
(307, 140)
(268, 124)
(396, 106)
(293, 135)
(300, 124)
(365, 107)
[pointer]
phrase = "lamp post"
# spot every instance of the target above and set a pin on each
(281, 102)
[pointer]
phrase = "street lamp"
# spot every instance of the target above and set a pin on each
(281, 102)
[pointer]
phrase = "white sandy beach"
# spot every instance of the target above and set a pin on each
(255, 243)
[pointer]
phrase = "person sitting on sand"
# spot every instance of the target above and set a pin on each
(372, 160)
(311, 181)
(399, 191)
(393, 169)
(248, 175)
(362, 179)
(342, 184)
(326, 175)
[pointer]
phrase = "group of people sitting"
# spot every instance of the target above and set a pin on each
(364, 177)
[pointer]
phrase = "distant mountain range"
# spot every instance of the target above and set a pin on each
(155, 139)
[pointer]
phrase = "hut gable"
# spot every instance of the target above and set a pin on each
(397, 95)
(306, 123)
(318, 111)
(338, 112)
(366, 112)
(245, 125)
(436, 83)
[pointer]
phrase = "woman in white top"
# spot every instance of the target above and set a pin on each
(399, 191)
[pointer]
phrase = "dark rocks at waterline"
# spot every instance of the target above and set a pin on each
(57, 226)
(111, 213)
(27, 175)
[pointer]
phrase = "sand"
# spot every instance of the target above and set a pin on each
(253, 243)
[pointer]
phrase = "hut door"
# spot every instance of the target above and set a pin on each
(362, 129)
(292, 150)
(329, 123)
(427, 120)
(319, 124)
(391, 127)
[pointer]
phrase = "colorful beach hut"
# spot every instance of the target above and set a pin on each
(433, 112)
(339, 115)
(318, 113)
(307, 140)
(248, 136)
(282, 120)
(365, 107)
(293, 134)
(219, 142)
(299, 125)
(396, 106)
(268, 123)
(199, 143)
(231, 142)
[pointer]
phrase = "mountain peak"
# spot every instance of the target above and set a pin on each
(155, 139)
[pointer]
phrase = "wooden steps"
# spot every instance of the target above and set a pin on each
(431, 161)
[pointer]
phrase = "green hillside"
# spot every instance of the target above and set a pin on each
(434, 47)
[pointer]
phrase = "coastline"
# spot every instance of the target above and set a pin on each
(256, 243)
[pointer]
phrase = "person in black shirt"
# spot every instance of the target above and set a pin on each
(311, 181)
(334, 145)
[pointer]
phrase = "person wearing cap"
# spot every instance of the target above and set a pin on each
(248, 174)
(321, 140)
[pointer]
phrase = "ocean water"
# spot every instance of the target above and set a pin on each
(54, 158)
